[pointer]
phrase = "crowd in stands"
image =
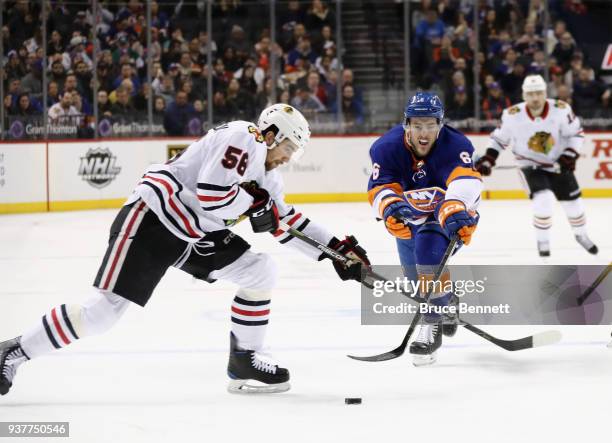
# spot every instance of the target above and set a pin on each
(242, 84)
(514, 41)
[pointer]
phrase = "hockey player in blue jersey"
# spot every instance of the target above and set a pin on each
(425, 189)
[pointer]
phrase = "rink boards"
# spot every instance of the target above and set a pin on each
(71, 175)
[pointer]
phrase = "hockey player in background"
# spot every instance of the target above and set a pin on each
(425, 189)
(178, 216)
(546, 139)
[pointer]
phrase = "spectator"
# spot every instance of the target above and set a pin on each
(78, 52)
(512, 83)
(529, 42)
(63, 113)
(460, 108)
(52, 93)
(318, 16)
(14, 91)
(105, 79)
(538, 64)
(141, 99)
(325, 37)
(159, 106)
(15, 68)
(24, 107)
(589, 95)
(576, 65)
(556, 80)
(104, 104)
(564, 50)
(178, 114)
(55, 45)
(430, 30)
(199, 82)
(165, 89)
(325, 65)
(241, 101)
(515, 24)
(257, 74)
(58, 74)
(222, 111)
(247, 79)
(184, 65)
(313, 83)
(221, 76)
(127, 72)
(230, 61)
(302, 50)
(84, 78)
(352, 110)
(564, 93)
(306, 102)
(494, 103)
(553, 36)
(123, 106)
(32, 82)
(238, 41)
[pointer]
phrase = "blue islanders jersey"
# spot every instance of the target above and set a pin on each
(446, 172)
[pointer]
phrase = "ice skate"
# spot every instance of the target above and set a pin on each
(251, 375)
(11, 356)
(587, 244)
(544, 248)
(424, 347)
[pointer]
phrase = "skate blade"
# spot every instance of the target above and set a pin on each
(424, 360)
(249, 387)
(610, 345)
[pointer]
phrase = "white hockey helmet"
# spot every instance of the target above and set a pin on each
(534, 83)
(286, 122)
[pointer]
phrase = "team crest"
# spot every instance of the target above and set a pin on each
(541, 142)
(257, 133)
(426, 199)
(514, 110)
(420, 173)
(288, 109)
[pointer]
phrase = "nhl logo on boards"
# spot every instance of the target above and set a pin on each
(98, 167)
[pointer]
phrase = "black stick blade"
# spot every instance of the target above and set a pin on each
(397, 352)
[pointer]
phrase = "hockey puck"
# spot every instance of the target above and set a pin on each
(352, 401)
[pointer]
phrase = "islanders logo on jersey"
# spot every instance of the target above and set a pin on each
(541, 142)
(425, 199)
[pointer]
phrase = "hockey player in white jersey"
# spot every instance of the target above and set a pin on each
(179, 215)
(546, 139)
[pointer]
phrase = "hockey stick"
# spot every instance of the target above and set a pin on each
(397, 352)
(594, 285)
(539, 339)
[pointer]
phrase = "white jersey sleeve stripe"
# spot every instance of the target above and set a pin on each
(179, 189)
(177, 207)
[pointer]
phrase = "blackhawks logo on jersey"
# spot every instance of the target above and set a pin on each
(541, 142)
(253, 130)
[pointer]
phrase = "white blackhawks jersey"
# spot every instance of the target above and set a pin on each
(198, 191)
(541, 140)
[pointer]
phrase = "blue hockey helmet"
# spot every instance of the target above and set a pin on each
(424, 104)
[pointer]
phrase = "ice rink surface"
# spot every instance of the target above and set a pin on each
(159, 375)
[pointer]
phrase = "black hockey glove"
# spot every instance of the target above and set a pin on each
(567, 160)
(485, 164)
(352, 250)
(263, 213)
